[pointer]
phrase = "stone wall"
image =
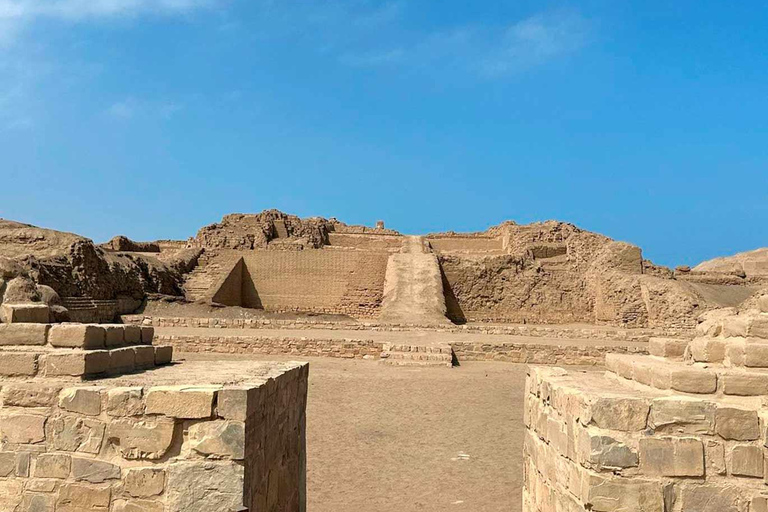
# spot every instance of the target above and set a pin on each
(366, 242)
(680, 430)
(122, 445)
(466, 244)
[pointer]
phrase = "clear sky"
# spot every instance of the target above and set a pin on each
(644, 120)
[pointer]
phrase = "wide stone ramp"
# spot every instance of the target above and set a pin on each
(413, 287)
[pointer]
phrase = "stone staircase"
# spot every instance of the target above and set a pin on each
(439, 355)
(198, 284)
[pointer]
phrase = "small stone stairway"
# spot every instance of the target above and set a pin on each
(439, 355)
(199, 282)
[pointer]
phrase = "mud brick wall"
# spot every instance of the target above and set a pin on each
(320, 281)
(538, 353)
(366, 242)
(154, 448)
(475, 244)
(592, 444)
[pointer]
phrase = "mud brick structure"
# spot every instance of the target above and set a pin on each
(683, 429)
(97, 418)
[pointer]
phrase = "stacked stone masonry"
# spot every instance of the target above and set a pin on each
(682, 429)
(123, 446)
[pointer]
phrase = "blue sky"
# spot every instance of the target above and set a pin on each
(643, 120)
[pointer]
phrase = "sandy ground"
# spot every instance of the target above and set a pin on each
(395, 439)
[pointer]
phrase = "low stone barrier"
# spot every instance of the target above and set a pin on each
(537, 353)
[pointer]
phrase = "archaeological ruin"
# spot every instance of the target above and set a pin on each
(646, 388)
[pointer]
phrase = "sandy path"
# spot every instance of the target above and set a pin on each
(385, 439)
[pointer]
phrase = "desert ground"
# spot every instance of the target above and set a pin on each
(383, 438)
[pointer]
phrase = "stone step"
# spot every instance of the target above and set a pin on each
(694, 378)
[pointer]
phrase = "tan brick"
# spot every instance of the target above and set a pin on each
(76, 363)
(144, 482)
(21, 428)
(745, 384)
(114, 335)
(37, 503)
(133, 334)
(30, 395)
(23, 334)
(671, 348)
(682, 415)
(76, 434)
(747, 460)
(233, 402)
(707, 350)
(623, 495)
(147, 334)
(18, 364)
(125, 401)
(146, 438)
(672, 456)
(122, 360)
(81, 400)
(52, 465)
(226, 439)
(33, 313)
(756, 354)
(759, 326)
(7, 463)
(163, 354)
(737, 424)
(94, 471)
(145, 357)
(711, 498)
(759, 504)
(138, 506)
(620, 413)
(693, 380)
(186, 402)
(83, 336)
(73, 497)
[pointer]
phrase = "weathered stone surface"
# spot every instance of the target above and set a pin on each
(132, 334)
(163, 354)
(707, 349)
(18, 364)
(76, 363)
(84, 336)
(10, 494)
(756, 354)
(33, 313)
(138, 506)
(74, 434)
(614, 413)
(690, 380)
(232, 402)
(147, 334)
(186, 402)
(204, 486)
(30, 395)
(37, 503)
(52, 465)
(762, 303)
(22, 428)
(114, 336)
(125, 401)
(74, 497)
(712, 498)
(747, 460)
(226, 439)
(122, 360)
(737, 424)
(81, 400)
(7, 463)
(145, 357)
(622, 495)
(144, 482)
(671, 348)
(604, 452)
(94, 471)
(682, 415)
(23, 334)
(745, 384)
(672, 456)
(142, 438)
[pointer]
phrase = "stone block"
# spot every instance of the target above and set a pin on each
(23, 461)
(122, 360)
(601, 452)
(145, 357)
(18, 364)
(52, 465)
(30, 395)
(76, 497)
(188, 485)
(163, 354)
(747, 460)
(7, 464)
(219, 439)
(737, 424)
(762, 304)
(711, 498)
(185, 402)
(114, 335)
(94, 471)
(83, 336)
(138, 506)
(759, 326)
(132, 334)
(622, 495)
(736, 326)
(31, 313)
(682, 415)
(37, 503)
(693, 380)
(756, 354)
(672, 456)
(144, 482)
(76, 363)
(670, 348)
(81, 400)
(147, 335)
(76, 434)
(233, 402)
(10, 494)
(21, 428)
(146, 438)
(707, 350)
(23, 334)
(745, 384)
(620, 413)
(714, 457)
(125, 402)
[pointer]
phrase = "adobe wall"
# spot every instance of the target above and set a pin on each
(466, 244)
(144, 443)
(320, 281)
(366, 242)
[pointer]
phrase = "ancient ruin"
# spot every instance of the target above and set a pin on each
(101, 411)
